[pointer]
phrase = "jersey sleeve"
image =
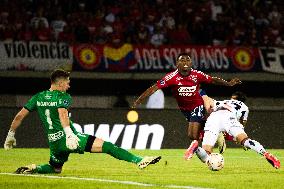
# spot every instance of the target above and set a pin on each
(64, 101)
(31, 104)
(204, 78)
(166, 81)
(202, 92)
(245, 114)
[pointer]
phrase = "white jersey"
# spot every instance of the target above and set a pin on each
(236, 107)
(156, 100)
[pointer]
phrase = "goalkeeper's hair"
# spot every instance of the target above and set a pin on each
(57, 74)
(240, 96)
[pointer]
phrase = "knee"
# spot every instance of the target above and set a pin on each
(193, 136)
(208, 148)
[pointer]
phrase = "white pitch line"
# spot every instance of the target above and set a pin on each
(105, 180)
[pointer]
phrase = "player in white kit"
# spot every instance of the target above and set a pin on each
(226, 117)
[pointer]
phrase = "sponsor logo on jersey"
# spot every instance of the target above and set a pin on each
(187, 91)
(55, 136)
(41, 103)
(48, 96)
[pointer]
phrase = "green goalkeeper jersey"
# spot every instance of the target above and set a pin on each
(46, 103)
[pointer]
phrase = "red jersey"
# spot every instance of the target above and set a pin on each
(185, 89)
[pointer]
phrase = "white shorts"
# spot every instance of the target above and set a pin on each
(221, 120)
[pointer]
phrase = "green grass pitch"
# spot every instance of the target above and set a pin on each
(243, 169)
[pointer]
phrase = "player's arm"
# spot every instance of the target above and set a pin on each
(145, 94)
(220, 81)
(72, 141)
(208, 103)
(63, 116)
(10, 139)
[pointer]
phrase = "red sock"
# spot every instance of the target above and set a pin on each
(201, 135)
(228, 137)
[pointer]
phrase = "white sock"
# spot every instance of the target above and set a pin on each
(254, 145)
(201, 154)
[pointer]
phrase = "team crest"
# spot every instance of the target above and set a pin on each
(193, 78)
(65, 102)
(162, 82)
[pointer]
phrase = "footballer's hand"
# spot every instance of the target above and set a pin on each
(10, 140)
(72, 141)
(234, 81)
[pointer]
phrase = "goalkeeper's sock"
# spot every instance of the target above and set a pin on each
(44, 169)
(120, 153)
(254, 145)
(201, 154)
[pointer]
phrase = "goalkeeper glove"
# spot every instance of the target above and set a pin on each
(72, 141)
(10, 140)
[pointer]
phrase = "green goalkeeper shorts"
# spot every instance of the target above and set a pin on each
(59, 153)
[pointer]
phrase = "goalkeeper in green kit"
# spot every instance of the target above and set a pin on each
(52, 107)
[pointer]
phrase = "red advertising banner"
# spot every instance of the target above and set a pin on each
(204, 58)
(44, 56)
(130, 58)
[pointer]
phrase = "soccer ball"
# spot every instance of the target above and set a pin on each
(215, 162)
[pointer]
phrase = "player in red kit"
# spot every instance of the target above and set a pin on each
(185, 83)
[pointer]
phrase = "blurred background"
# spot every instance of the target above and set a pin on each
(116, 49)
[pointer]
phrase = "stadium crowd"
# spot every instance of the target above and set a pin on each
(147, 22)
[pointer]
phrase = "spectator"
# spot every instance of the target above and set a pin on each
(42, 32)
(39, 17)
(57, 25)
(158, 38)
(208, 22)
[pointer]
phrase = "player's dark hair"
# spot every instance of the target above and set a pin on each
(240, 96)
(182, 54)
(58, 73)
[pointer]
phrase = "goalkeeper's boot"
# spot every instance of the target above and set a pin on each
(272, 160)
(148, 160)
(221, 143)
(29, 169)
(191, 150)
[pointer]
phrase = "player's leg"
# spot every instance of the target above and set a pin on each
(97, 145)
(212, 128)
(196, 122)
(221, 142)
(194, 129)
(209, 140)
(208, 143)
(244, 140)
(55, 165)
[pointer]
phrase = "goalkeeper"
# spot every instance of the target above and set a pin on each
(52, 106)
